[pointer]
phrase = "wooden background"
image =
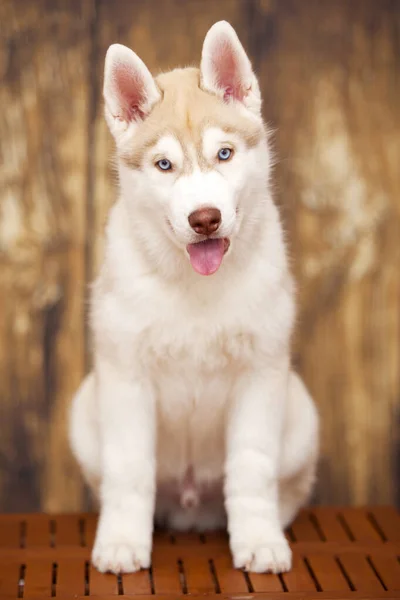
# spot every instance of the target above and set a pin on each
(329, 71)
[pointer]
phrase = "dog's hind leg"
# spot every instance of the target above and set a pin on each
(299, 451)
(294, 494)
(84, 432)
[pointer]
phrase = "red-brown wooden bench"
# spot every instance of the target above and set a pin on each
(338, 553)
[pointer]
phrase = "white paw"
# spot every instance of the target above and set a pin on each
(120, 557)
(267, 558)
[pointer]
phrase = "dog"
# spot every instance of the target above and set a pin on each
(192, 417)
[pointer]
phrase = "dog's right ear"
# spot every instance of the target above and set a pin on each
(129, 90)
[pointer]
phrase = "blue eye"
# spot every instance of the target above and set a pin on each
(224, 154)
(164, 165)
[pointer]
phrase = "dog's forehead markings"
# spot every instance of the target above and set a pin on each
(168, 146)
(215, 138)
(186, 112)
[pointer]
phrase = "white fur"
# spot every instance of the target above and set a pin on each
(192, 399)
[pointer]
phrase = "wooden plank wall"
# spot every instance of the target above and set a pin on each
(330, 77)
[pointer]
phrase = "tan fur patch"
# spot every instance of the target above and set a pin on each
(184, 111)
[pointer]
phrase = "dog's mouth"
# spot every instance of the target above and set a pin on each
(206, 256)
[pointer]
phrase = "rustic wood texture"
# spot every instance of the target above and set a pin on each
(329, 75)
(54, 561)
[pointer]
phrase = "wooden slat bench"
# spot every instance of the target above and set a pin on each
(338, 554)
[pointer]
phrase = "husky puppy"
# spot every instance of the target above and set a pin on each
(192, 417)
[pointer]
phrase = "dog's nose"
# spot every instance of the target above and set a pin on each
(205, 221)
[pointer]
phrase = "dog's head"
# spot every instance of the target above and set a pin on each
(192, 150)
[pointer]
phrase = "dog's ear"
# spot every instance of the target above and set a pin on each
(226, 69)
(129, 89)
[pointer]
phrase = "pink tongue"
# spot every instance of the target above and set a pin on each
(206, 256)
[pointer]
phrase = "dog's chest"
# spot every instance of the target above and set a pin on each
(177, 337)
(196, 348)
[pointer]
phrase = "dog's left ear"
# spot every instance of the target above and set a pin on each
(226, 69)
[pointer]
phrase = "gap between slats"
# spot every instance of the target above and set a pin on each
(47, 532)
(309, 527)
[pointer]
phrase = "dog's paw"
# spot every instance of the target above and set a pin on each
(275, 557)
(120, 557)
(258, 545)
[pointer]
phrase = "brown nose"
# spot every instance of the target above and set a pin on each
(205, 221)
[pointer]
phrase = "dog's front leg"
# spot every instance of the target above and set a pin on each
(127, 491)
(251, 485)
